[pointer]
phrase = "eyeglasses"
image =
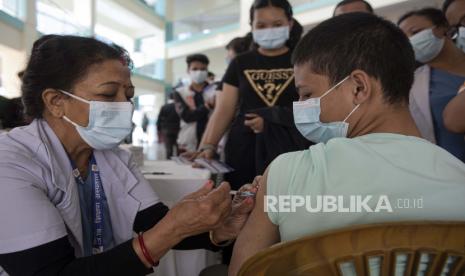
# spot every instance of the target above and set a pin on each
(454, 30)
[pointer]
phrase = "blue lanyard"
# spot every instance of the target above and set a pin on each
(97, 203)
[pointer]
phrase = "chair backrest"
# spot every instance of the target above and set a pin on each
(400, 249)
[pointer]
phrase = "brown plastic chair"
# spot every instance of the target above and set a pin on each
(400, 249)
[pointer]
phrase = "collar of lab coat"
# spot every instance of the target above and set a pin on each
(420, 104)
(117, 181)
(61, 166)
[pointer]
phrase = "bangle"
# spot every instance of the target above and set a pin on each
(207, 147)
(145, 252)
(223, 244)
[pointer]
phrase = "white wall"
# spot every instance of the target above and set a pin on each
(183, 8)
(12, 61)
(10, 36)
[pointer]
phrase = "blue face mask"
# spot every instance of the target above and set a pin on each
(307, 120)
(271, 38)
(109, 123)
(426, 45)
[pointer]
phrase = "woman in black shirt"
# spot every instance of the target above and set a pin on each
(261, 83)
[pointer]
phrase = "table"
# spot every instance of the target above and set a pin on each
(179, 181)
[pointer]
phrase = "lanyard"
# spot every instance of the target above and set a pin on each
(97, 204)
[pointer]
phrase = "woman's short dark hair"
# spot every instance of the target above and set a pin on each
(59, 62)
(436, 16)
(346, 2)
(363, 41)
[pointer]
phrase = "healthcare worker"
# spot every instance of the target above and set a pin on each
(438, 80)
(70, 200)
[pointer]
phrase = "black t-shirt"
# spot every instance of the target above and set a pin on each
(262, 81)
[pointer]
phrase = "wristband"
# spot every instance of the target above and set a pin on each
(223, 244)
(145, 252)
(207, 147)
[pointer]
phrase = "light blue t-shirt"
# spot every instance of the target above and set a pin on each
(443, 87)
(405, 169)
(86, 204)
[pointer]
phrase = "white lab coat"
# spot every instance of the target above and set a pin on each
(420, 106)
(39, 200)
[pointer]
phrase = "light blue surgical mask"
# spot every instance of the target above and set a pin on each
(198, 76)
(307, 120)
(271, 38)
(426, 45)
(109, 123)
(460, 42)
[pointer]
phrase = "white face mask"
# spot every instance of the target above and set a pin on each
(198, 76)
(460, 42)
(109, 123)
(307, 119)
(426, 45)
(271, 38)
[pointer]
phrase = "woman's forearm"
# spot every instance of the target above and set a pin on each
(454, 114)
(222, 115)
(216, 128)
(57, 258)
(158, 240)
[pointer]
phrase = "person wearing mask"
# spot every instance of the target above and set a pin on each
(71, 201)
(191, 102)
(348, 6)
(438, 80)
(168, 124)
(454, 11)
(260, 83)
(454, 113)
(354, 104)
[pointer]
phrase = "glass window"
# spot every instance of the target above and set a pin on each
(15, 8)
(63, 17)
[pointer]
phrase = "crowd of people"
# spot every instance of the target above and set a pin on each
(251, 108)
(358, 106)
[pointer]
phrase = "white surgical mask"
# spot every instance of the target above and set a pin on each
(271, 38)
(426, 45)
(198, 76)
(460, 42)
(109, 123)
(307, 120)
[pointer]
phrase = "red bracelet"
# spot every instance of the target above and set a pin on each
(145, 252)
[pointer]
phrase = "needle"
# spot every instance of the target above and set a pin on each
(242, 194)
